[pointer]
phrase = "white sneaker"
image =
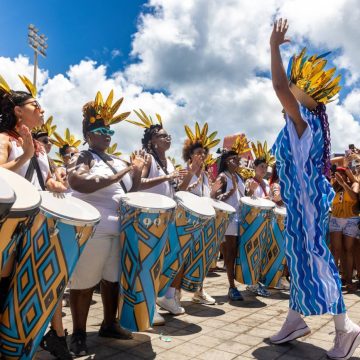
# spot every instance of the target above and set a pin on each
(345, 344)
(282, 284)
(170, 305)
(158, 320)
(291, 331)
(202, 297)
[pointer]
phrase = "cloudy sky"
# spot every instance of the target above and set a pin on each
(189, 60)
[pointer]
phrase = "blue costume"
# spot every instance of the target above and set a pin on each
(307, 194)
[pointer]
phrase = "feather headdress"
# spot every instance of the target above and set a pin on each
(201, 136)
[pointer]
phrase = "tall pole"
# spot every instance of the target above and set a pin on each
(38, 44)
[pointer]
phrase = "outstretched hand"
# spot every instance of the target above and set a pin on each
(279, 31)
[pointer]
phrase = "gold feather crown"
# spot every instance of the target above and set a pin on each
(261, 151)
(201, 136)
(241, 145)
(246, 173)
(210, 160)
(308, 74)
(46, 128)
(4, 86)
(146, 120)
(106, 110)
(112, 150)
(69, 140)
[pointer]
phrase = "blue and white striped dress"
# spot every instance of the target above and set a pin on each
(315, 282)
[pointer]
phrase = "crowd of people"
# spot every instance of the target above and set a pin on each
(321, 196)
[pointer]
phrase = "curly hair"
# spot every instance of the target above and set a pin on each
(189, 148)
(88, 111)
(8, 102)
(62, 150)
(148, 134)
(259, 160)
(224, 156)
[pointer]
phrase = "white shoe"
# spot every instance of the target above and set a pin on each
(282, 284)
(158, 320)
(170, 305)
(345, 344)
(202, 297)
(291, 330)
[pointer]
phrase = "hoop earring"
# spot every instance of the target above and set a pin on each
(155, 146)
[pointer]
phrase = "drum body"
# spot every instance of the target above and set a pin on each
(275, 268)
(255, 245)
(190, 217)
(14, 224)
(7, 198)
(48, 254)
(144, 224)
(203, 246)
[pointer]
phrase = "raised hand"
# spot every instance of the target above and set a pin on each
(138, 159)
(279, 31)
(27, 142)
(196, 164)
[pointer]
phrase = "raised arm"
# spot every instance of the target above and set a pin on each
(279, 79)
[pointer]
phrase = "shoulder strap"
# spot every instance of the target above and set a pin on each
(38, 172)
(30, 171)
(111, 167)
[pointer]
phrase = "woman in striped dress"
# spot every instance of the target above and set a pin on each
(302, 154)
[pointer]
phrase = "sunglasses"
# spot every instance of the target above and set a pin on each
(33, 102)
(103, 131)
(69, 155)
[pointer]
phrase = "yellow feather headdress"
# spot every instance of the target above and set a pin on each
(308, 74)
(68, 139)
(106, 110)
(210, 160)
(201, 136)
(246, 173)
(4, 86)
(146, 120)
(241, 145)
(262, 151)
(47, 128)
(112, 150)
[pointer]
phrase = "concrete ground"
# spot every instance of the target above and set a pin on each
(225, 331)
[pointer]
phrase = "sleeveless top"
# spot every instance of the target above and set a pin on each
(344, 206)
(165, 188)
(43, 161)
(107, 199)
(202, 188)
(259, 192)
(234, 199)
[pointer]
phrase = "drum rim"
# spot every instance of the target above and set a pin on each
(216, 201)
(16, 214)
(68, 221)
(202, 216)
(10, 197)
(264, 207)
(149, 210)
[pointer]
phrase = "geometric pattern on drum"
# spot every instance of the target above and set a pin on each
(142, 240)
(10, 232)
(42, 271)
(256, 250)
(202, 254)
(182, 234)
(273, 270)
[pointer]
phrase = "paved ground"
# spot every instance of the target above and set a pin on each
(221, 332)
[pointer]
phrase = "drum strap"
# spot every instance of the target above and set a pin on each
(111, 167)
(34, 166)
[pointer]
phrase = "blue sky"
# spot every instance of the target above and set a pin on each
(76, 30)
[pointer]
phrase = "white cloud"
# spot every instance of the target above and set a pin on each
(206, 54)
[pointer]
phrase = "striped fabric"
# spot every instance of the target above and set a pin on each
(315, 282)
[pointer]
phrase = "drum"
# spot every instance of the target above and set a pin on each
(144, 228)
(47, 257)
(7, 199)
(254, 241)
(276, 249)
(20, 217)
(191, 214)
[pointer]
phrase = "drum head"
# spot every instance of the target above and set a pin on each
(68, 208)
(280, 210)
(221, 205)
(195, 204)
(27, 197)
(147, 200)
(7, 196)
(258, 202)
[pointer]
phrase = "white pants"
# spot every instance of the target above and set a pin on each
(100, 260)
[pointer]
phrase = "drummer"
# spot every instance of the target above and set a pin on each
(259, 187)
(20, 113)
(229, 187)
(195, 152)
(101, 180)
(159, 176)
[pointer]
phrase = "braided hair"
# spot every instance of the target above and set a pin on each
(88, 111)
(148, 134)
(8, 102)
(224, 156)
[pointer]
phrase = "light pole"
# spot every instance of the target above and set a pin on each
(38, 44)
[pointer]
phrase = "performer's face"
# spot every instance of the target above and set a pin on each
(69, 153)
(30, 114)
(202, 153)
(233, 162)
(46, 143)
(161, 140)
(261, 170)
(99, 141)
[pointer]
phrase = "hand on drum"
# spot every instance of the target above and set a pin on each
(26, 141)
(253, 185)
